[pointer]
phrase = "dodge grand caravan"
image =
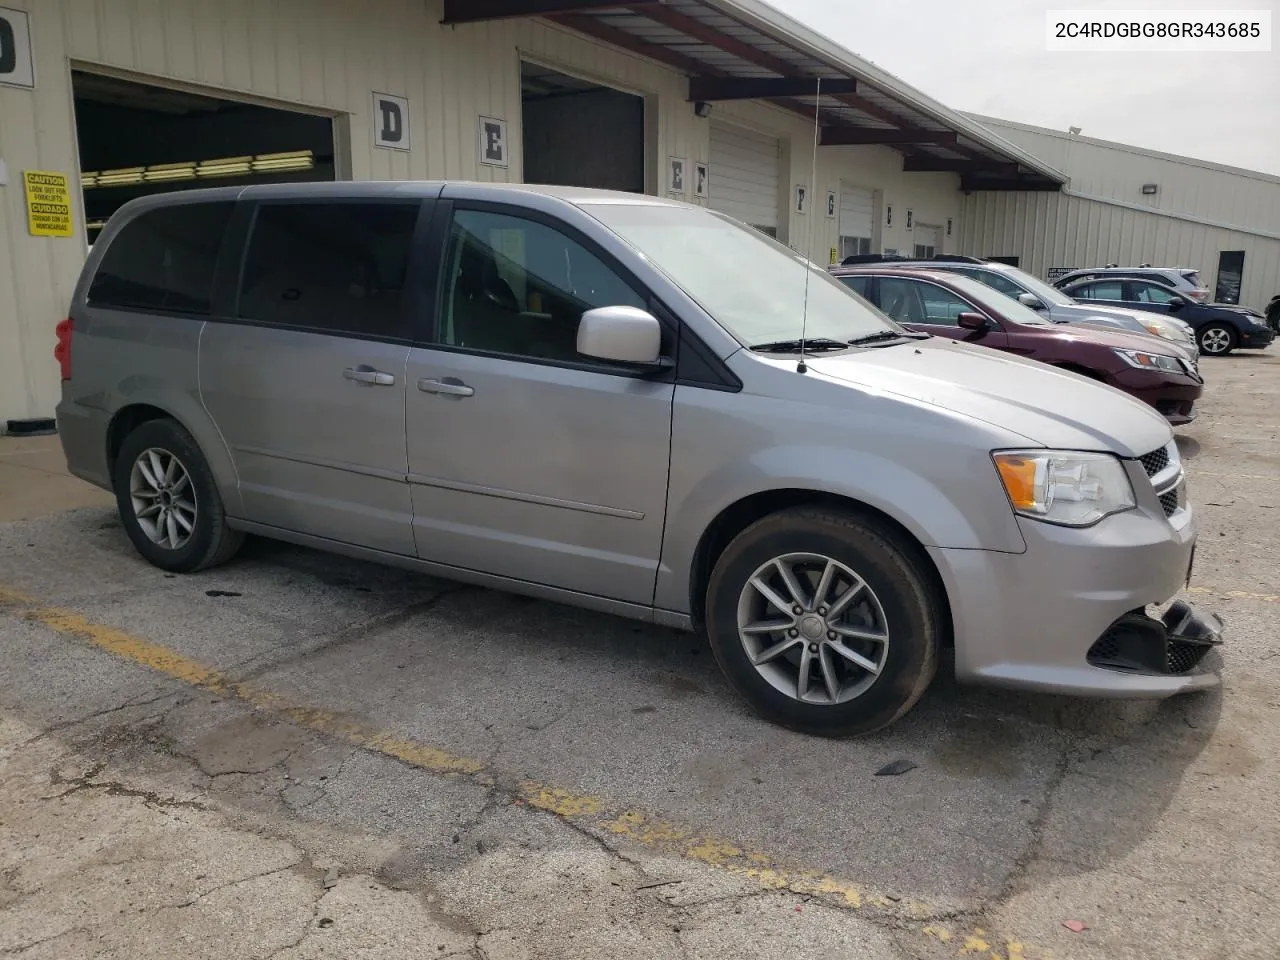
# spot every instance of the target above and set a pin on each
(638, 406)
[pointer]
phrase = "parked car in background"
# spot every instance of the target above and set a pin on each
(1219, 327)
(948, 305)
(598, 398)
(1273, 313)
(1185, 280)
(1060, 308)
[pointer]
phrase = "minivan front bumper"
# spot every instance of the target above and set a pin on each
(1040, 619)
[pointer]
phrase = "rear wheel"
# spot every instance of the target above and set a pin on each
(169, 502)
(823, 621)
(1217, 339)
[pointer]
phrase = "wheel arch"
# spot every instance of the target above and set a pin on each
(740, 514)
(192, 417)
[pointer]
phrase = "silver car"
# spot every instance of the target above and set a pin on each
(1062, 308)
(637, 406)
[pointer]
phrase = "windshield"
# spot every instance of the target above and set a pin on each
(1050, 295)
(997, 302)
(752, 285)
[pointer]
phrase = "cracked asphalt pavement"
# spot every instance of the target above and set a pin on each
(300, 756)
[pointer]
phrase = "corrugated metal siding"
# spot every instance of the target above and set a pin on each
(1056, 230)
(1185, 187)
(328, 56)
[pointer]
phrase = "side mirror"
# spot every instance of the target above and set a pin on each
(1177, 303)
(972, 321)
(623, 335)
(1031, 300)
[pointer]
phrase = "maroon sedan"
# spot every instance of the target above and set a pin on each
(949, 305)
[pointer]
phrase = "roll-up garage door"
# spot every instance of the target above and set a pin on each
(928, 240)
(857, 217)
(744, 176)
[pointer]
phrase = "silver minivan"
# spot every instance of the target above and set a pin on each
(638, 406)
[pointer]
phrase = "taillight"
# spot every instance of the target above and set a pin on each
(62, 352)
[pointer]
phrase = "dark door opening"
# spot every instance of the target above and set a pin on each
(137, 139)
(580, 134)
(1230, 276)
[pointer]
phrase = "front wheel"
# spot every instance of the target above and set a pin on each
(823, 621)
(169, 502)
(1217, 340)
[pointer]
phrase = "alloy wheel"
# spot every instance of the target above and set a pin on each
(163, 498)
(813, 628)
(1215, 340)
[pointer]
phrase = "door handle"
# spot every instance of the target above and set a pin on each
(367, 375)
(449, 388)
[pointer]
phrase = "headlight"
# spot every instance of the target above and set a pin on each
(1059, 486)
(1164, 330)
(1257, 321)
(1149, 361)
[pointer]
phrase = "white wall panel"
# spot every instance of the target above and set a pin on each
(328, 56)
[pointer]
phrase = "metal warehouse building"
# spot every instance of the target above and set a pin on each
(1129, 206)
(708, 100)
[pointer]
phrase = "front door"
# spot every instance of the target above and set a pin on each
(308, 386)
(526, 459)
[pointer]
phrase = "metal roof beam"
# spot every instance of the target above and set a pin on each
(743, 88)
(863, 136)
(476, 11)
(922, 164)
(698, 30)
(594, 27)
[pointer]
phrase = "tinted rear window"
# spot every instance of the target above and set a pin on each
(163, 259)
(330, 267)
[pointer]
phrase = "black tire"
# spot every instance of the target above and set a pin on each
(1212, 333)
(210, 542)
(892, 571)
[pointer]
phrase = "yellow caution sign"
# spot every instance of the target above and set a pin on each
(48, 204)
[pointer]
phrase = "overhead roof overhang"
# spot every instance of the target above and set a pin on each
(746, 50)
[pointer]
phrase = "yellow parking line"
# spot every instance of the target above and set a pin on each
(585, 810)
(1235, 594)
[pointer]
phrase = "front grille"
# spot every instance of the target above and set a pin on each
(1181, 657)
(1169, 502)
(1137, 643)
(1155, 461)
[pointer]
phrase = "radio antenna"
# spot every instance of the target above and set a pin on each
(803, 367)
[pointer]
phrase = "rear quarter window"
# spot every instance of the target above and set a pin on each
(164, 259)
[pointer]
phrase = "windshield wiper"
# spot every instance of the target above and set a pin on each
(816, 344)
(883, 336)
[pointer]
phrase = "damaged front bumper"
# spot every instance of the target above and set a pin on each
(1174, 645)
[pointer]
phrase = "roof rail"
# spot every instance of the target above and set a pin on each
(956, 258)
(873, 258)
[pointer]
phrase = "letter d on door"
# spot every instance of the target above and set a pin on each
(8, 47)
(390, 121)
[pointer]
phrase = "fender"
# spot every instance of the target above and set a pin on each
(929, 513)
(177, 393)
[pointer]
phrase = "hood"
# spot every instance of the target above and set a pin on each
(1101, 332)
(1120, 339)
(1082, 311)
(1049, 407)
(1234, 308)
